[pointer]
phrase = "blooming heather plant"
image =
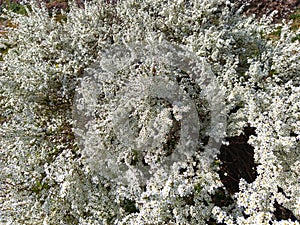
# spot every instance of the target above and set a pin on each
(150, 118)
(114, 114)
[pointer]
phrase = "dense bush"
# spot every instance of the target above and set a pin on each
(70, 107)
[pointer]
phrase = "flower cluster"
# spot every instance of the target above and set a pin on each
(114, 113)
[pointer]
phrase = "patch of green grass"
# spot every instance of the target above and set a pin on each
(296, 20)
(15, 7)
(276, 34)
(294, 27)
(295, 16)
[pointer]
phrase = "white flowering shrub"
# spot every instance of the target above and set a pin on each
(115, 113)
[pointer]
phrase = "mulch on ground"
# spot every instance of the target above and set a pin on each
(284, 8)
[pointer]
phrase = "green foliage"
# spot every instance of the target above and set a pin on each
(15, 7)
(295, 16)
(296, 38)
(198, 188)
(134, 157)
(277, 32)
(39, 186)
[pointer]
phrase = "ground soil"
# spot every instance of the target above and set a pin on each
(284, 8)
